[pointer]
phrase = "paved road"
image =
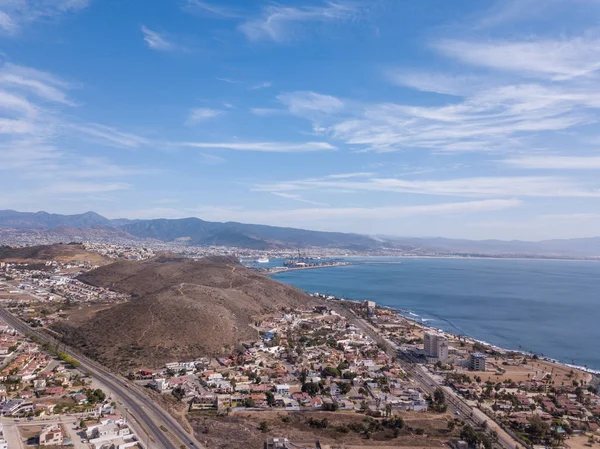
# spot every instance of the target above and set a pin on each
(165, 432)
(428, 384)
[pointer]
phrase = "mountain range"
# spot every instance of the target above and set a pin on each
(195, 231)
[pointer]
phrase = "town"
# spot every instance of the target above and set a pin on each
(343, 358)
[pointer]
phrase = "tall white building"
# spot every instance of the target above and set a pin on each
(436, 345)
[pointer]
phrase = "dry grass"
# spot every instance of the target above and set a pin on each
(241, 430)
(57, 252)
(180, 309)
(533, 369)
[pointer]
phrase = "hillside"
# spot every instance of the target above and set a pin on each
(42, 253)
(44, 220)
(92, 226)
(200, 232)
(180, 309)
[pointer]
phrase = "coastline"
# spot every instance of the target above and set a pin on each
(417, 320)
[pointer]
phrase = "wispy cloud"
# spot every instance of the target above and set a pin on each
(281, 23)
(107, 135)
(441, 83)
(202, 7)
(492, 120)
(211, 159)
(505, 12)
(502, 187)
(296, 197)
(227, 80)
(267, 111)
(264, 85)
(307, 103)
(336, 218)
(85, 187)
(268, 147)
(555, 59)
(555, 162)
(199, 115)
(157, 41)
(14, 14)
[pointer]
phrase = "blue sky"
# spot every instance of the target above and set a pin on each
(472, 119)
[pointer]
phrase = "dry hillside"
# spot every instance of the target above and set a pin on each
(181, 309)
(59, 252)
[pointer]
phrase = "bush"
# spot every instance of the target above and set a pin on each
(318, 423)
(263, 426)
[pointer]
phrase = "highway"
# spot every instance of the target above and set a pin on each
(163, 430)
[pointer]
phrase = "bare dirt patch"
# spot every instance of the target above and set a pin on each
(242, 430)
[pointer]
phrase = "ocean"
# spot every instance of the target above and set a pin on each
(549, 307)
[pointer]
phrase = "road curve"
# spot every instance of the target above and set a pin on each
(145, 411)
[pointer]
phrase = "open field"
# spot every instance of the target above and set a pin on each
(532, 370)
(241, 430)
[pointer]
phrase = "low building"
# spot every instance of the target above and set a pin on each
(283, 389)
(284, 443)
(51, 436)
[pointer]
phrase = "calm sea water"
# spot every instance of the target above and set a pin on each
(549, 307)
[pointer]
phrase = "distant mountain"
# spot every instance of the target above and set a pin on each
(44, 220)
(581, 247)
(192, 230)
(200, 232)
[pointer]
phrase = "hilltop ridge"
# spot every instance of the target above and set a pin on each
(180, 309)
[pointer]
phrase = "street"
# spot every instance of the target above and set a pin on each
(147, 417)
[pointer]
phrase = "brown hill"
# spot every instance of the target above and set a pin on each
(59, 252)
(180, 309)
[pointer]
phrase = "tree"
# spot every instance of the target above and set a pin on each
(345, 388)
(451, 425)
(311, 388)
(331, 371)
(249, 402)
(270, 398)
(303, 376)
(439, 397)
(179, 393)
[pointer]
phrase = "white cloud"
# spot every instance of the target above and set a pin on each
(6, 23)
(559, 59)
(514, 11)
(281, 23)
(489, 120)
(343, 217)
(107, 135)
(85, 187)
(264, 85)
(555, 162)
(269, 147)
(228, 80)
(509, 186)
(199, 115)
(267, 111)
(307, 104)
(30, 81)
(296, 197)
(440, 83)
(156, 40)
(199, 6)
(16, 13)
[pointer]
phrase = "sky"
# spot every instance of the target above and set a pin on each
(464, 119)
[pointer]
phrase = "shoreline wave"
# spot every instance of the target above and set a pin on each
(411, 316)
